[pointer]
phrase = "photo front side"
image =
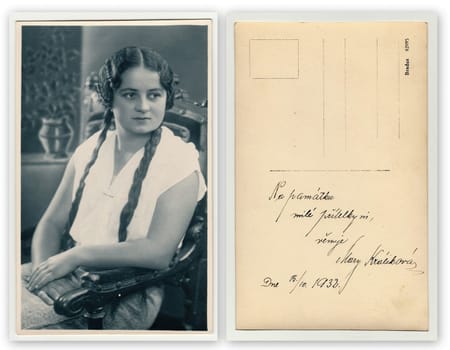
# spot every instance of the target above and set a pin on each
(331, 176)
(114, 226)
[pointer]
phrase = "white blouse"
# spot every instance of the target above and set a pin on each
(104, 196)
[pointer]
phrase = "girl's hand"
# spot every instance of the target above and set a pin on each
(53, 268)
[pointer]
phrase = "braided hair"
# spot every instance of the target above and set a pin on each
(110, 79)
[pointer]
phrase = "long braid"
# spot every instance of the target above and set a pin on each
(109, 81)
(67, 240)
(135, 190)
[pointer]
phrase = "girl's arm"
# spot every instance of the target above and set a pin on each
(173, 212)
(47, 236)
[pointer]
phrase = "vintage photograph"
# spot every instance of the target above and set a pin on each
(114, 211)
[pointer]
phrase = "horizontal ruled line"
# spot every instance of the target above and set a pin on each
(276, 39)
(275, 78)
(327, 170)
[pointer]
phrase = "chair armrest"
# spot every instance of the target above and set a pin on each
(125, 280)
(101, 286)
(73, 302)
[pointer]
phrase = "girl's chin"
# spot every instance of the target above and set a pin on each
(136, 132)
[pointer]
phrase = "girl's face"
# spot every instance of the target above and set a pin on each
(139, 103)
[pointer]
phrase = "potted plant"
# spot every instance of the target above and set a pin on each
(50, 90)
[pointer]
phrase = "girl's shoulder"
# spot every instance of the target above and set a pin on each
(175, 147)
(83, 152)
(176, 160)
(90, 142)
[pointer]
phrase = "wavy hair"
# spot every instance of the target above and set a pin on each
(110, 74)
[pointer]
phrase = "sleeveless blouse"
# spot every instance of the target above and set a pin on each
(104, 196)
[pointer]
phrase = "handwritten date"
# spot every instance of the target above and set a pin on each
(300, 282)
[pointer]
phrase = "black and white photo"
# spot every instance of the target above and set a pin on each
(115, 155)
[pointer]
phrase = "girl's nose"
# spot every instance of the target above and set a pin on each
(142, 104)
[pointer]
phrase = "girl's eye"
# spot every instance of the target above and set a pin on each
(129, 95)
(133, 95)
(153, 95)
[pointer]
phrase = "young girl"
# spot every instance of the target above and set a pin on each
(126, 198)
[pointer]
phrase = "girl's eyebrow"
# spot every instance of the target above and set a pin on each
(132, 89)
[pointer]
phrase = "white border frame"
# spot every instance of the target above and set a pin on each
(213, 182)
(336, 335)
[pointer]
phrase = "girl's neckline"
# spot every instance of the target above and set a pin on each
(119, 166)
(117, 170)
(121, 159)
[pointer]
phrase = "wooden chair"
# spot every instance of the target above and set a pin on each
(100, 287)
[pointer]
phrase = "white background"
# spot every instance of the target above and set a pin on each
(441, 8)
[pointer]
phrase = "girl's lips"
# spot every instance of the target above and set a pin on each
(142, 118)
